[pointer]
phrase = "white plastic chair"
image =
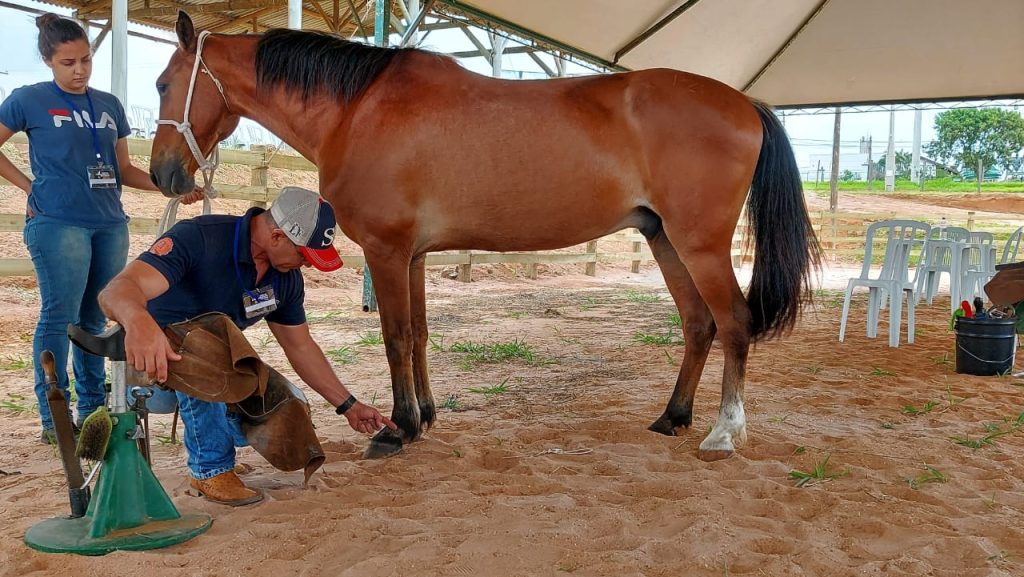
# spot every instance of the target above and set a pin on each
(903, 240)
(978, 266)
(1012, 246)
(938, 258)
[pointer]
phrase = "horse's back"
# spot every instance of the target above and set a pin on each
(578, 156)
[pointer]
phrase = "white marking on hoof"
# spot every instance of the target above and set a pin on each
(729, 432)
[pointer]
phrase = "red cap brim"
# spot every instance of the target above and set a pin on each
(325, 259)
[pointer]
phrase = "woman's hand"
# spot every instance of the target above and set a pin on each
(196, 195)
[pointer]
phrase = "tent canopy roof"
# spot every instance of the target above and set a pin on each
(800, 52)
(786, 52)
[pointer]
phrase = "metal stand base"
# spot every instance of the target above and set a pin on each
(129, 508)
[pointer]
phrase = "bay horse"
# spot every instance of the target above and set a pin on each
(417, 154)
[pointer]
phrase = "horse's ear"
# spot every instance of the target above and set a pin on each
(186, 32)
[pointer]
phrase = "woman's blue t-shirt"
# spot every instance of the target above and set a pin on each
(61, 148)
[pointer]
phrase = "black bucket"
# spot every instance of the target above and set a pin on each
(985, 347)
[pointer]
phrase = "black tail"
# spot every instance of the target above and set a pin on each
(786, 249)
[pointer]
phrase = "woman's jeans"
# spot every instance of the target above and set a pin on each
(72, 265)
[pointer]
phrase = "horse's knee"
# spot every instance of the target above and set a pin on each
(699, 331)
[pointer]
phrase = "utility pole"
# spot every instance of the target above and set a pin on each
(890, 156)
(915, 163)
(871, 167)
(833, 199)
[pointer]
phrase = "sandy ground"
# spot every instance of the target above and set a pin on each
(558, 475)
(553, 472)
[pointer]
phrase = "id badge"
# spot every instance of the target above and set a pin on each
(263, 304)
(102, 176)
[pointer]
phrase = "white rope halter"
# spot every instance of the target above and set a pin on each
(206, 165)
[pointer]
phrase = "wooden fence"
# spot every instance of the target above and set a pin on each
(841, 233)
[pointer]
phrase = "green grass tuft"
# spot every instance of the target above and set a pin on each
(819, 474)
(342, 356)
(635, 296)
(371, 339)
(931, 475)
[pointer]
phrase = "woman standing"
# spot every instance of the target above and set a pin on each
(76, 229)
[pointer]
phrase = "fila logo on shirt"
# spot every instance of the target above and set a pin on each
(62, 115)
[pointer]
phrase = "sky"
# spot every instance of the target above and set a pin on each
(21, 64)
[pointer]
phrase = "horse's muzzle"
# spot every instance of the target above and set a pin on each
(170, 177)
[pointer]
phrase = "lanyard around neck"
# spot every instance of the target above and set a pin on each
(92, 116)
(238, 270)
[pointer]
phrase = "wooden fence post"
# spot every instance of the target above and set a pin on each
(591, 267)
(258, 175)
(531, 271)
(466, 270)
(634, 266)
(970, 220)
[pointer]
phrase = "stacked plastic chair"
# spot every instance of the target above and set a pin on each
(904, 240)
(940, 256)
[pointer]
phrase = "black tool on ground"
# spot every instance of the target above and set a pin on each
(78, 492)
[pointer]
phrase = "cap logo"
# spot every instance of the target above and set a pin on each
(328, 238)
(295, 230)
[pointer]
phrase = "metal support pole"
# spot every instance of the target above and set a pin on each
(497, 50)
(118, 387)
(382, 22)
(295, 14)
(381, 29)
(119, 51)
(369, 297)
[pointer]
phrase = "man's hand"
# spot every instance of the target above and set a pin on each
(366, 419)
(148, 350)
(196, 195)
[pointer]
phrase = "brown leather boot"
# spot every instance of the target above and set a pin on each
(226, 489)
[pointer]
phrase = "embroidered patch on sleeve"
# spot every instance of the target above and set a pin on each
(162, 246)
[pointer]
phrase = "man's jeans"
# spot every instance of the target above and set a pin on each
(211, 435)
(72, 265)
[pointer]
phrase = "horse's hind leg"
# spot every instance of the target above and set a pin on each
(391, 276)
(698, 330)
(710, 268)
(420, 370)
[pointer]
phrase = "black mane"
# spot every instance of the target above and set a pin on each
(315, 62)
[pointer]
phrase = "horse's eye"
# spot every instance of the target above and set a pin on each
(161, 88)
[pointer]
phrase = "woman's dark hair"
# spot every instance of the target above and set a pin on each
(54, 31)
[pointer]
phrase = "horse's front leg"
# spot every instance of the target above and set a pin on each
(391, 283)
(421, 372)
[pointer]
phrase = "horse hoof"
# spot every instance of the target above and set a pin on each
(663, 426)
(384, 444)
(709, 455)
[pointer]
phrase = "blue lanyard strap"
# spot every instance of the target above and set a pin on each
(238, 270)
(92, 116)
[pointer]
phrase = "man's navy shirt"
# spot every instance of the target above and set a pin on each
(196, 258)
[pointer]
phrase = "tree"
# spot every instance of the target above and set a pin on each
(978, 138)
(903, 161)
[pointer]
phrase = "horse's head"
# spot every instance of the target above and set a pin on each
(194, 115)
